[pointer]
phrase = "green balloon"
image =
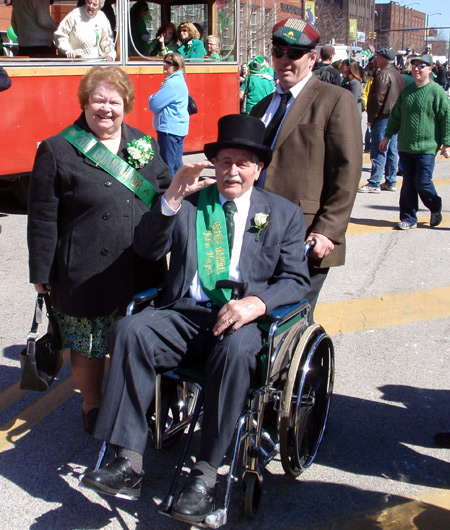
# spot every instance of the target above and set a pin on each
(11, 34)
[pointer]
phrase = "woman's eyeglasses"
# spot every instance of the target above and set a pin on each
(170, 63)
(292, 53)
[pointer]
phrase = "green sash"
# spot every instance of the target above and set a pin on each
(111, 163)
(212, 245)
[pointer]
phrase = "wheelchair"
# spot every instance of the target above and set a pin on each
(294, 387)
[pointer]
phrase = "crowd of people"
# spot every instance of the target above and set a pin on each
(400, 145)
(88, 32)
(108, 204)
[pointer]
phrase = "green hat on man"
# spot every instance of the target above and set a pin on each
(257, 65)
(295, 32)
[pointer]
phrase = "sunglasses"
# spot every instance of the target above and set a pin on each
(170, 63)
(420, 66)
(292, 53)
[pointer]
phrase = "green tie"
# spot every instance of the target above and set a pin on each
(229, 208)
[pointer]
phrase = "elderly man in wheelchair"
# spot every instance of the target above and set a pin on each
(219, 231)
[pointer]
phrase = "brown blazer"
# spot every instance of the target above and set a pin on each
(317, 160)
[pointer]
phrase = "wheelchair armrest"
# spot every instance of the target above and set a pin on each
(146, 296)
(284, 313)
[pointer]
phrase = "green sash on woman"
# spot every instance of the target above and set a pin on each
(212, 245)
(111, 163)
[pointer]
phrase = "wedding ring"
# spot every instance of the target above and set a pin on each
(230, 321)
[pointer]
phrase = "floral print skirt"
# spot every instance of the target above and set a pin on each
(85, 335)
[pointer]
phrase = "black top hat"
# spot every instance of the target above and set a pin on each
(240, 131)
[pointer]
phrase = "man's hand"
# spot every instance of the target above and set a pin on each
(322, 248)
(445, 151)
(237, 313)
(185, 182)
(384, 145)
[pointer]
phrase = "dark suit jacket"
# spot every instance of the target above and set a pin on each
(274, 267)
(81, 223)
(317, 160)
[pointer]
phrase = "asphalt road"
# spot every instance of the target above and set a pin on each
(388, 311)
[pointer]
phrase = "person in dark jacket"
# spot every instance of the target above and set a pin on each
(324, 70)
(386, 86)
(81, 221)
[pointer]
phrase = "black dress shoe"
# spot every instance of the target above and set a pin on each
(195, 502)
(117, 478)
(442, 439)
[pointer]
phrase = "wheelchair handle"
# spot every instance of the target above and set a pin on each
(309, 245)
(237, 290)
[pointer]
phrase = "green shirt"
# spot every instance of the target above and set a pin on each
(257, 87)
(194, 49)
(421, 117)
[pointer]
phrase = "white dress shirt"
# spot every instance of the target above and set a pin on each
(240, 219)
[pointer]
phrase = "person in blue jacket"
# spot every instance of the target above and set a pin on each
(169, 106)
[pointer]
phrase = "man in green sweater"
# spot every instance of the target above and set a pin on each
(421, 116)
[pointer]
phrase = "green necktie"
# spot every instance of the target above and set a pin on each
(229, 208)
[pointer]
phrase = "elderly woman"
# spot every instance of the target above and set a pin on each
(86, 32)
(85, 200)
(213, 45)
(191, 45)
(165, 42)
(171, 117)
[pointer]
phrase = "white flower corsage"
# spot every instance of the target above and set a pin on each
(140, 152)
(261, 223)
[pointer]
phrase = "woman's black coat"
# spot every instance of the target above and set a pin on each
(81, 223)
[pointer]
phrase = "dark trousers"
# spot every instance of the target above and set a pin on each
(318, 277)
(155, 340)
(417, 181)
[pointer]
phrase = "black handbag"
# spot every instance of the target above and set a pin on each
(192, 105)
(42, 359)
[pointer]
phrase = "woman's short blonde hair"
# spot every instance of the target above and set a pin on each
(191, 29)
(112, 75)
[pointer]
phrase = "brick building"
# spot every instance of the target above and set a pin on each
(393, 16)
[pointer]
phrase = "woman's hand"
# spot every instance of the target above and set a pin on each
(42, 288)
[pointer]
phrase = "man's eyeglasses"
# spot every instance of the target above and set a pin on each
(292, 53)
(420, 66)
(170, 63)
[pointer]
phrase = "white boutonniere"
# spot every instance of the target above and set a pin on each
(261, 223)
(140, 152)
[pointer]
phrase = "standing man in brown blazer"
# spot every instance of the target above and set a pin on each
(317, 146)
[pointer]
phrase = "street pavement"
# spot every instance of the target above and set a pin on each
(388, 313)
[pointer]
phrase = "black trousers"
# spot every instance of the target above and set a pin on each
(158, 339)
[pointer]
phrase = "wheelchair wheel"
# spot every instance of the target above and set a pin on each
(178, 401)
(306, 400)
(252, 495)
